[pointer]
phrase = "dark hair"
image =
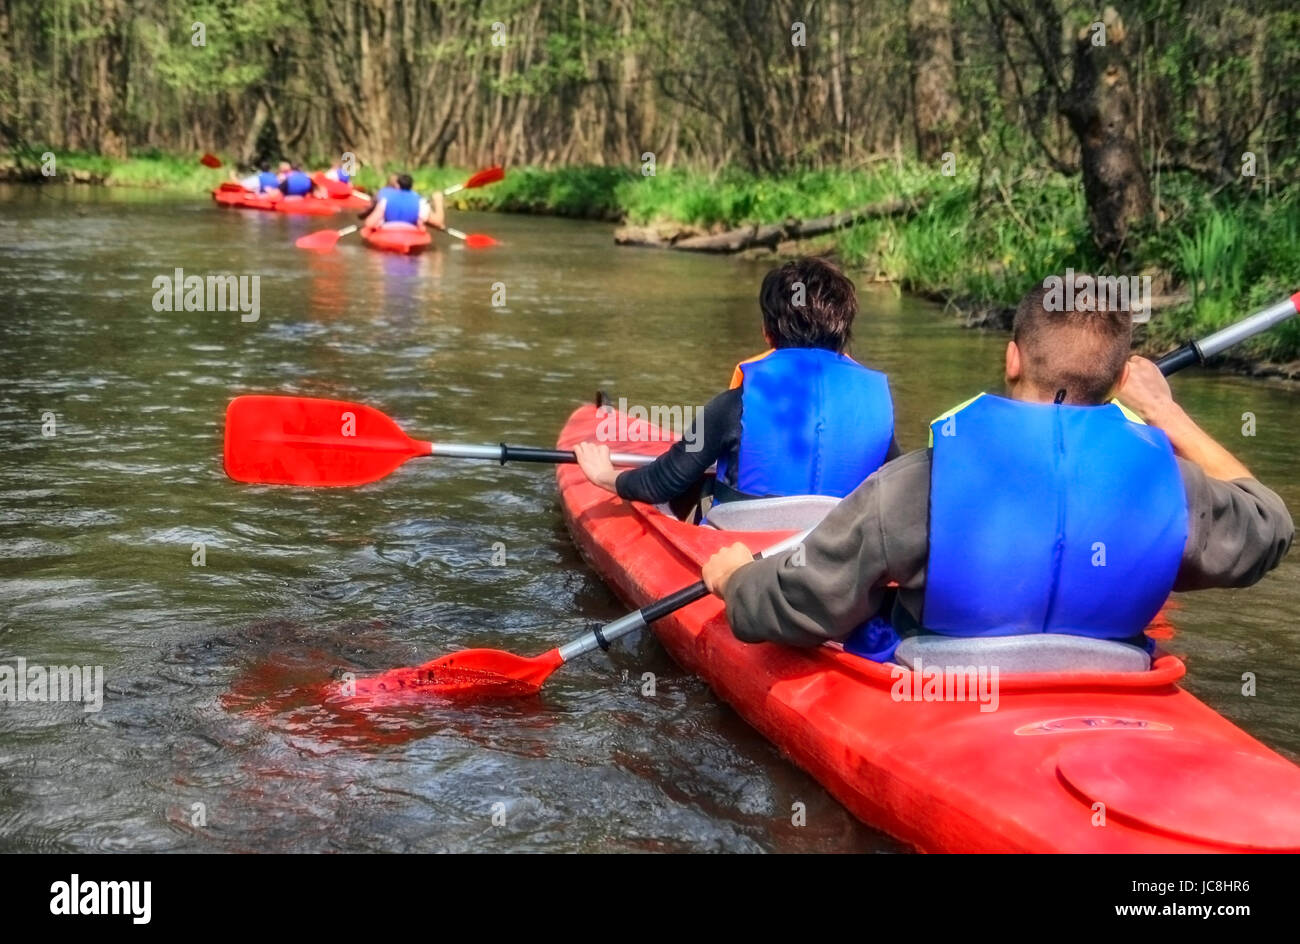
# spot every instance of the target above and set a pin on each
(295, 165)
(808, 302)
(265, 166)
(1078, 348)
(404, 181)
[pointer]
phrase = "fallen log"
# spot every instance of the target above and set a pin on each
(767, 235)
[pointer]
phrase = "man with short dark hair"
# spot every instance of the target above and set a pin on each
(1051, 510)
(401, 206)
(802, 418)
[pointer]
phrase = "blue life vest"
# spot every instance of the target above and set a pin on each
(267, 180)
(297, 184)
(1050, 519)
(341, 175)
(813, 422)
(401, 206)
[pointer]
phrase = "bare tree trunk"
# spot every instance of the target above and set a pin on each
(1100, 108)
(934, 76)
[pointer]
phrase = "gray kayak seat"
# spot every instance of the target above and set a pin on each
(788, 513)
(1040, 652)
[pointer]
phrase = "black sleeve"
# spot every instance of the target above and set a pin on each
(715, 431)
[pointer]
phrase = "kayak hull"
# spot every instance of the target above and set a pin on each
(400, 239)
(244, 200)
(308, 206)
(1170, 774)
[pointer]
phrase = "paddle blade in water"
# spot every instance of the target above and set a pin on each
(210, 160)
(306, 441)
(321, 241)
(479, 241)
(489, 175)
(471, 673)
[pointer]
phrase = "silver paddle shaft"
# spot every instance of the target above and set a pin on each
(639, 619)
(1257, 323)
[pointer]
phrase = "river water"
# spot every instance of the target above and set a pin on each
(210, 737)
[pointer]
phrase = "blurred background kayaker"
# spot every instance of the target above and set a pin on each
(802, 418)
(261, 180)
(296, 183)
(403, 206)
(1051, 510)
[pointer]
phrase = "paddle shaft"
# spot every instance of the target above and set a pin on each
(1198, 352)
(504, 453)
(602, 636)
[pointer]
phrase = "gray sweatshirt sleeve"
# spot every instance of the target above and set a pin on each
(875, 536)
(1237, 531)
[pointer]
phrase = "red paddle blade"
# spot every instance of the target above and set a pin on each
(306, 441)
(479, 241)
(471, 673)
(322, 241)
(489, 175)
(210, 160)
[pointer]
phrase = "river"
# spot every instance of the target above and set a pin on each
(206, 740)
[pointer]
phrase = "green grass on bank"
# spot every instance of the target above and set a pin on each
(980, 244)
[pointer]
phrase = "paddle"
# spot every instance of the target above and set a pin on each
(274, 440)
(482, 673)
(1198, 352)
(325, 240)
(472, 240)
(210, 160)
(494, 673)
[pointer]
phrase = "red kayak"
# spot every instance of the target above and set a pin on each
(1066, 761)
(397, 237)
(343, 193)
(246, 200)
(310, 206)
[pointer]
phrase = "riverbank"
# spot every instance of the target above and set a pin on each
(975, 242)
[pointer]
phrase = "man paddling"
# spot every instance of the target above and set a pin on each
(405, 207)
(262, 181)
(1048, 511)
(295, 182)
(802, 418)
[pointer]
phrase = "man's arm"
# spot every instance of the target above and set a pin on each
(1238, 530)
(376, 217)
(836, 582)
(672, 473)
(1145, 391)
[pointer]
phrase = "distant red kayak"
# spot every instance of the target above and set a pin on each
(308, 206)
(1066, 761)
(396, 237)
(243, 199)
(343, 193)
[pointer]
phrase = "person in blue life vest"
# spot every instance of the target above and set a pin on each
(803, 418)
(402, 206)
(1073, 505)
(262, 181)
(336, 172)
(296, 183)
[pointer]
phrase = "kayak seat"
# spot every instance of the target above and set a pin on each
(1039, 652)
(787, 513)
